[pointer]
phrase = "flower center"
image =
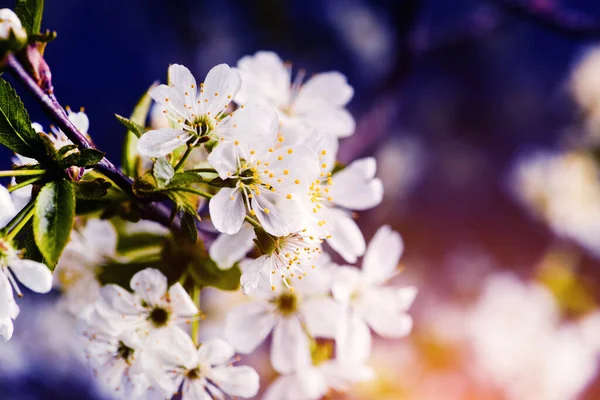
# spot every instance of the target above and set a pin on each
(286, 304)
(292, 253)
(159, 317)
(125, 352)
(193, 374)
(202, 125)
(321, 351)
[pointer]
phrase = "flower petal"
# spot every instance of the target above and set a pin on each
(346, 281)
(36, 276)
(278, 215)
(353, 344)
(265, 79)
(7, 208)
(101, 236)
(253, 126)
(247, 325)
(220, 86)
(355, 187)
(6, 329)
(346, 237)
(255, 276)
(150, 284)
(289, 347)
(240, 381)
(161, 142)
(181, 302)
(383, 255)
(184, 82)
(215, 352)
(331, 88)
(6, 295)
(170, 100)
(329, 120)
(227, 210)
(223, 158)
(384, 310)
(322, 316)
(119, 300)
(286, 387)
(226, 250)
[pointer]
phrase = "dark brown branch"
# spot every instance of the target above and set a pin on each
(152, 211)
(545, 13)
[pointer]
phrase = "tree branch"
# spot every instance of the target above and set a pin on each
(152, 211)
(547, 14)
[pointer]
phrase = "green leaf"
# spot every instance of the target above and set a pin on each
(16, 132)
(188, 225)
(205, 272)
(185, 178)
(65, 150)
(163, 172)
(89, 158)
(30, 249)
(91, 190)
(131, 158)
(133, 127)
(84, 158)
(53, 218)
(30, 14)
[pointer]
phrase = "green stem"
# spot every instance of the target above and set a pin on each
(18, 217)
(196, 322)
(26, 217)
(24, 183)
(184, 157)
(254, 223)
(23, 172)
(194, 191)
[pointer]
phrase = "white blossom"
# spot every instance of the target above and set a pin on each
(317, 106)
(332, 196)
(519, 341)
(33, 275)
(77, 270)
(315, 381)
(368, 302)
(267, 182)
(562, 189)
(288, 261)
(199, 115)
(152, 307)
(115, 357)
(290, 315)
(204, 373)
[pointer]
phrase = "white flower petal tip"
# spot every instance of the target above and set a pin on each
(160, 142)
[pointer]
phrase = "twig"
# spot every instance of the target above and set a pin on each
(152, 211)
(546, 13)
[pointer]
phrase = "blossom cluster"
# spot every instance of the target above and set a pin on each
(248, 161)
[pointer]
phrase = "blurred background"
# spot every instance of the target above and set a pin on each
(484, 117)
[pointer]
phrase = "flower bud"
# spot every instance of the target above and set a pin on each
(12, 34)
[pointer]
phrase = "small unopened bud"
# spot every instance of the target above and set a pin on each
(12, 34)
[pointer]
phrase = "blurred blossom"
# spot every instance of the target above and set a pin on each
(585, 88)
(368, 35)
(562, 189)
(44, 357)
(401, 163)
(520, 342)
